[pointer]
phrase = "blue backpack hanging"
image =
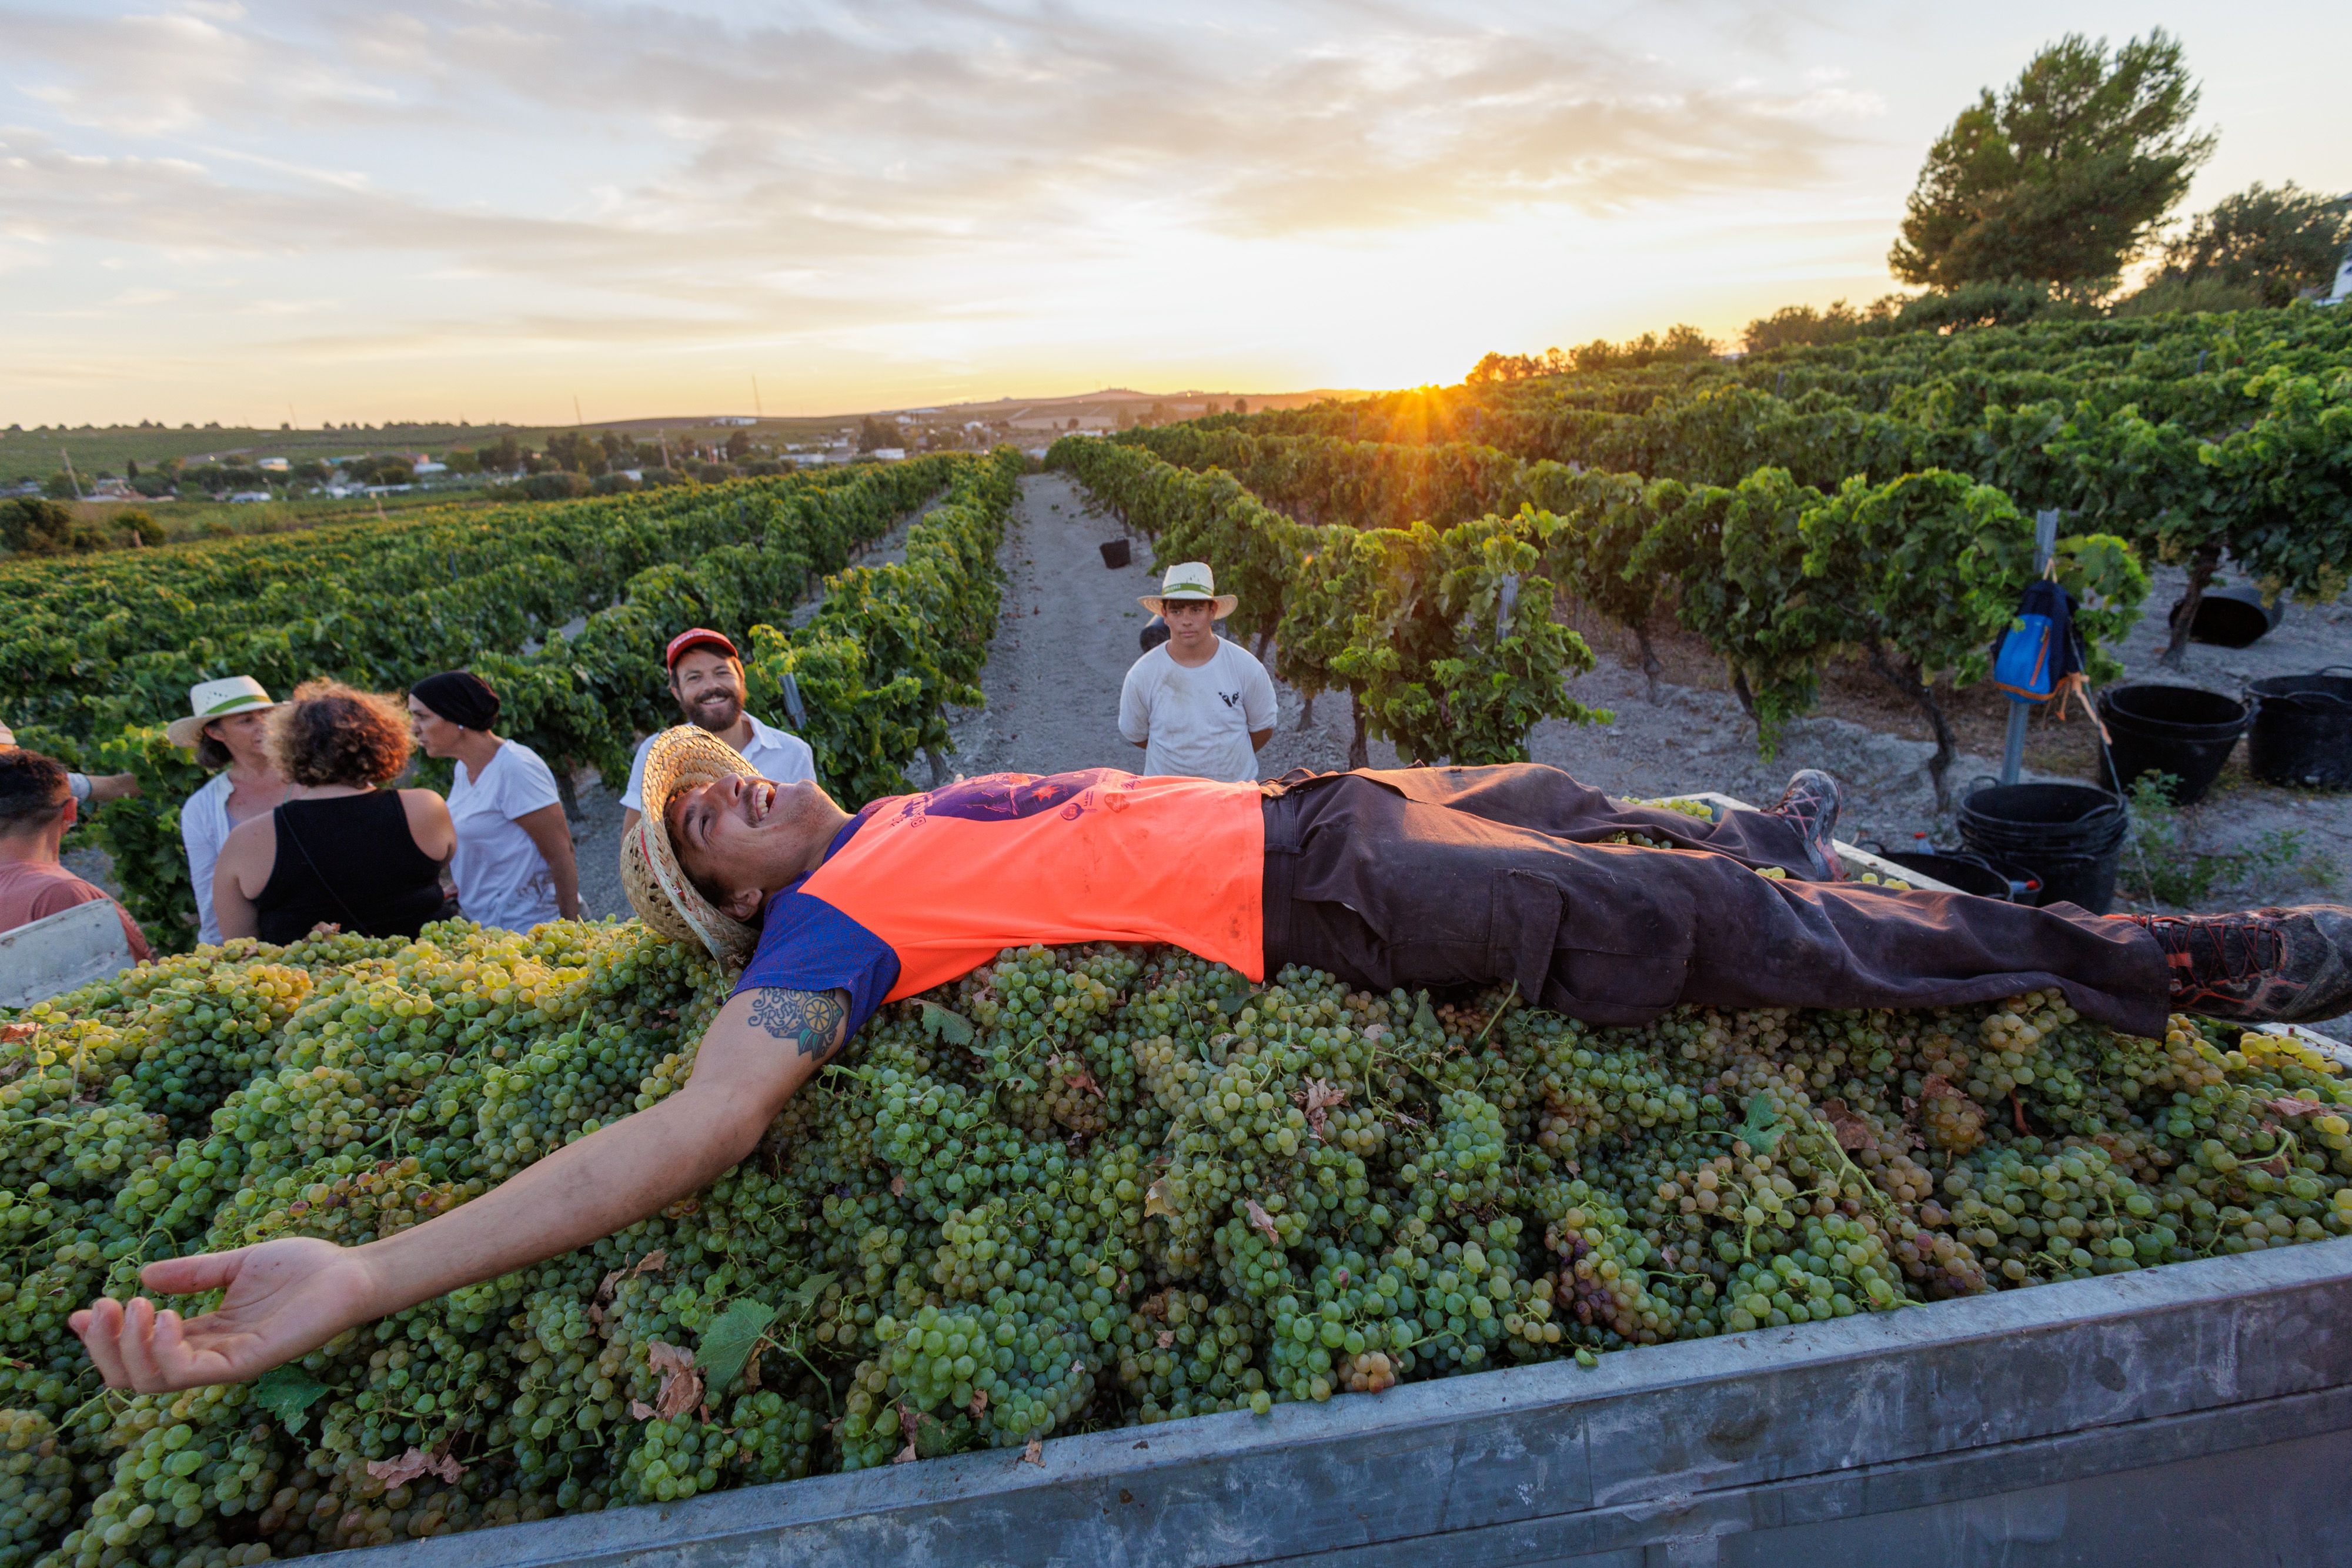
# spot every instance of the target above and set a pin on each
(2035, 656)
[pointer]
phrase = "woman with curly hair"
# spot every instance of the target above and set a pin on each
(341, 850)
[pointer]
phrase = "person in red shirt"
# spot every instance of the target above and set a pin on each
(1409, 877)
(37, 807)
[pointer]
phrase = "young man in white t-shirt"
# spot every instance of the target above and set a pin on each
(1199, 705)
(706, 677)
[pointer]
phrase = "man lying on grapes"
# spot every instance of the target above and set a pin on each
(1514, 876)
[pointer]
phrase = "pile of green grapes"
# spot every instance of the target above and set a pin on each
(1081, 1188)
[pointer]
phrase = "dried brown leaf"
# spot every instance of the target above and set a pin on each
(10, 1033)
(1319, 1096)
(640, 1411)
(681, 1385)
(653, 1263)
(1157, 1199)
(1853, 1132)
(1034, 1454)
(898, 1187)
(1261, 1220)
(906, 1456)
(978, 1406)
(1167, 1337)
(2296, 1106)
(415, 1463)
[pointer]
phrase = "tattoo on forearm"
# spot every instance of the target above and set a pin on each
(812, 1019)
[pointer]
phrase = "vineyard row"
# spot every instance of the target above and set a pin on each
(736, 558)
(1442, 631)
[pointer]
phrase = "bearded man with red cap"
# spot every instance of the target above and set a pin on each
(706, 677)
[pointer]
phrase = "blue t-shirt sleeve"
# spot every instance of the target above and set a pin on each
(807, 944)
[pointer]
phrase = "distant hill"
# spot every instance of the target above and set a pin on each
(33, 454)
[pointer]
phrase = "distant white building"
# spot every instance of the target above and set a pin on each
(273, 464)
(735, 419)
(253, 495)
(889, 454)
(428, 466)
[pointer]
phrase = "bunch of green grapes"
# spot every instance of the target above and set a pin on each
(1044, 1041)
(202, 1034)
(2064, 1213)
(37, 1493)
(196, 1463)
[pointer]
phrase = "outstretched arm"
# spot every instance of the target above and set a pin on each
(288, 1297)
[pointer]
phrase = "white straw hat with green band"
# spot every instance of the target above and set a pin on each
(1190, 581)
(209, 700)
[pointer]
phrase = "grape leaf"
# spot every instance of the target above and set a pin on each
(804, 1295)
(726, 1343)
(939, 1021)
(1762, 1130)
(287, 1392)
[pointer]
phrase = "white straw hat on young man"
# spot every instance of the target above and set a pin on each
(656, 884)
(209, 700)
(1189, 581)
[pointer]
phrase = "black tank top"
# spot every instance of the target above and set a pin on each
(362, 869)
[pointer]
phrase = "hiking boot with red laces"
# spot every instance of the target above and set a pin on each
(1812, 801)
(2258, 965)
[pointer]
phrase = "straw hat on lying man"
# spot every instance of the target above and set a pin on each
(663, 896)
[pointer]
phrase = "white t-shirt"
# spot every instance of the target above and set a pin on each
(204, 828)
(780, 757)
(1197, 721)
(502, 879)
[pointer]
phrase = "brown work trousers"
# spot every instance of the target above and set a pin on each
(1449, 876)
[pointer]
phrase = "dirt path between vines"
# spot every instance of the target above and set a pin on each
(1067, 635)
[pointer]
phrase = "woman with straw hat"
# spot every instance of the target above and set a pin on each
(226, 726)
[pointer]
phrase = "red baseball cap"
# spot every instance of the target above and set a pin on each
(696, 637)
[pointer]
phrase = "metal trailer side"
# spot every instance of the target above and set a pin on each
(2197, 1413)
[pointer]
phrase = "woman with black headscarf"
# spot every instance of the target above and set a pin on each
(514, 866)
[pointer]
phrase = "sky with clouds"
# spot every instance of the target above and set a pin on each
(281, 210)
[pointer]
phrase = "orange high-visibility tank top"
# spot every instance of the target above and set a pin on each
(921, 889)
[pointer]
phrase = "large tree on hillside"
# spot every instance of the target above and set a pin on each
(2062, 177)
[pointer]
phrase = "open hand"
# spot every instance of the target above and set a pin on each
(286, 1298)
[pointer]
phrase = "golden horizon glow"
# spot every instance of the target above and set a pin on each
(487, 209)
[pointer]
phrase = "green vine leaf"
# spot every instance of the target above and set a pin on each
(287, 1393)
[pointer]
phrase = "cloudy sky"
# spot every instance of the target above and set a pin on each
(487, 208)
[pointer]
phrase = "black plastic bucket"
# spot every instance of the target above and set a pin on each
(2301, 735)
(2235, 617)
(2185, 731)
(1116, 553)
(1980, 874)
(2069, 835)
